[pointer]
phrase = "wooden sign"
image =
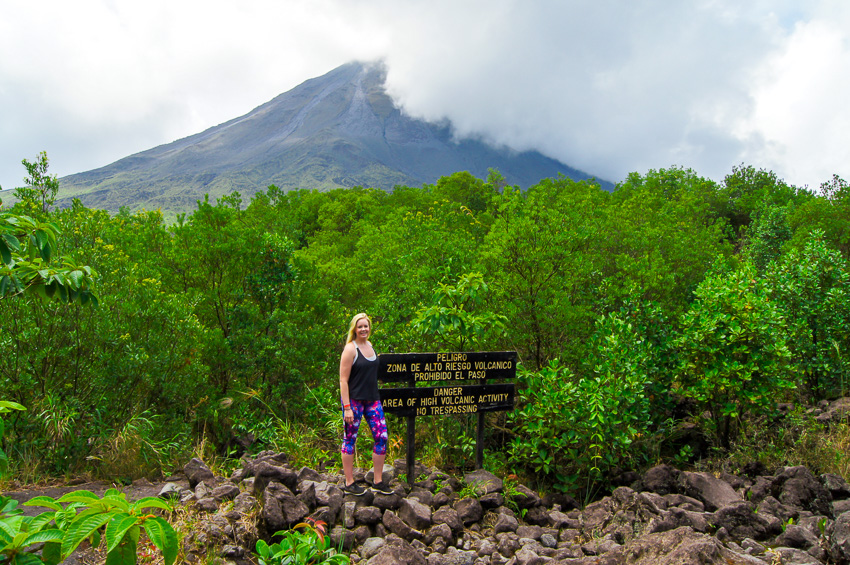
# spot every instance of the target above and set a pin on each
(446, 399)
(435, 367)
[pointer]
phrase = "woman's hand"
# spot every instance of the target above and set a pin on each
(348, 416)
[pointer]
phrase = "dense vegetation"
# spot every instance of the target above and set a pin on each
(669, 315)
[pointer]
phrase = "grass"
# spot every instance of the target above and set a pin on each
(796, 440)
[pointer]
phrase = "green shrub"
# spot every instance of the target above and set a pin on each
(6, 406)
(734, 357)
(310, 546)
(84, 516)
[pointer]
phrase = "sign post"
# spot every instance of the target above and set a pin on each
(447, 398)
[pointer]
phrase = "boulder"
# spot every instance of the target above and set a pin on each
(293, 510)
(244, 503)
(329, 495)
(492, 500)
(526, 556)
(836, 485)
(793, 556)
(505, 523)
(266, 472)
(454, 556)
(397, 526)
(424, 496)
(538, 516)
(415, 514)
(447, 515)
(741, 521)
(272, 516)
(484, 482)
(438, 531)
(661, 479)
(798, 488)
(838, 534)
(714, 493)
(681, 546)
(469, 510)
(529, 532)
(526, 498)
(170, 490)
(797, 537)
(371, 546)
(342, 537)
(508, 544)
(387, 501)
(773, 507)
(837, 411)
(368, 515)
(396, 551)
(226, 491)
(208, 504)
(684, 502)
(197, 471)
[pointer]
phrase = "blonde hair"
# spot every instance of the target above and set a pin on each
(352, 327)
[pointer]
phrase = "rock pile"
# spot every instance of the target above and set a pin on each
(667, 516)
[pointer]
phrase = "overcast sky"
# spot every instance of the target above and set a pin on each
(608, 87)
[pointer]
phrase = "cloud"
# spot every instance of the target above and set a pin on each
(609, 87)
(801, 110)
(95, 80)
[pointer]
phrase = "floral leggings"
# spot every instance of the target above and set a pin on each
(374, 413)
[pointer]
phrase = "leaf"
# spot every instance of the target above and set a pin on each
(38, 522)
(76, 278)
(162, 535)
(5, 252)
(79, 530)
(44, 501)
(49, 289)
(42, 241)
(113, 501)
(51, 553)
(79, 496)
(26, 559)
(9, 405)
(116, 529)
(151, 502)
(124, 554)
(11, 242)
(44, 536)
(262, 548)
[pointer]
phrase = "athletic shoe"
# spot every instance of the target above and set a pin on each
(353, 489)
(382, 488)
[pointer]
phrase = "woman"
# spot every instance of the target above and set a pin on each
(358, 386)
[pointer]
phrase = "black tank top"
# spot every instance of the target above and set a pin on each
(363, 379)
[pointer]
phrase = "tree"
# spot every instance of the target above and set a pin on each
(660, 237)
(27, 247)
(812, 286)
(456, 313)
(734, 357)
(746, 190)
(767, 235)
(829, 213)
(539, 255)
(41, 188)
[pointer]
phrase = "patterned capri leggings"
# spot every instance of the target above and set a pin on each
(374, 413)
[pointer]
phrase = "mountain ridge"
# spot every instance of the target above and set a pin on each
(338, 130)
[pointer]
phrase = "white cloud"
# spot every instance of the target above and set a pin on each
(801, 108)
(608, 87)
